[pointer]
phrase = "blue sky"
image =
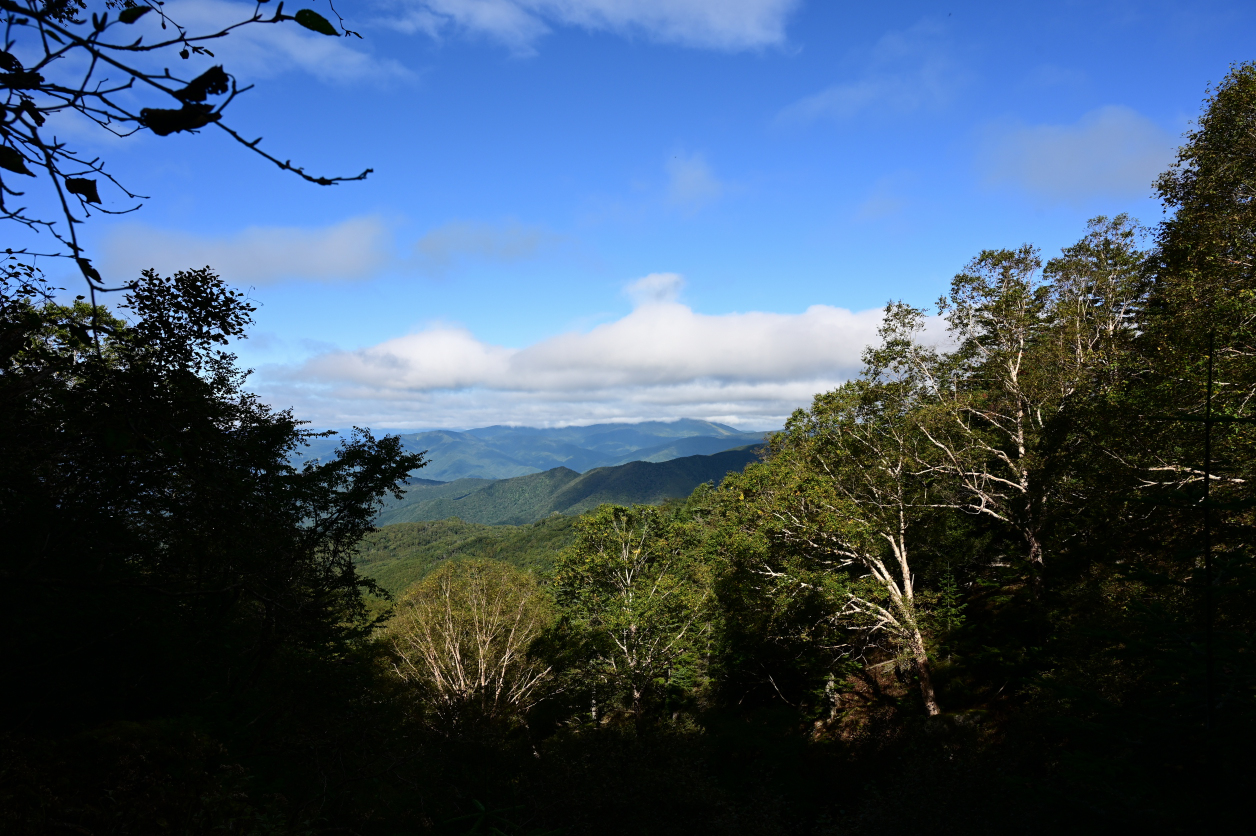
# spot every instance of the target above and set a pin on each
(590, 210)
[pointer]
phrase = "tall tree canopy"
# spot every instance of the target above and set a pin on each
(163, 543)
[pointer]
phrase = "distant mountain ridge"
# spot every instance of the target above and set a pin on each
(526, 499)
(502, 452)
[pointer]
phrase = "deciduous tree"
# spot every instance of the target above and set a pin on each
(1027, 342)
(638, 596)
(850, 503)
(463, 634)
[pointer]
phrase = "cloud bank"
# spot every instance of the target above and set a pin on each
(662, 360)
(1111, 152)
(729, 25)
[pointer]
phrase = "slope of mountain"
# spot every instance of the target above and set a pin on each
(428, 491)
(525, 499)
(454, 455)
(522, 499)
(397, 556)
(648, 483)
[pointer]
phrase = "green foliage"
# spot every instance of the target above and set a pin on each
(462, 635)
(636, 599)
(948, 608)
(398, 556)
(844, 500)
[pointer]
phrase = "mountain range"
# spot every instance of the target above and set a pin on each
(526, 499)
(502, 452)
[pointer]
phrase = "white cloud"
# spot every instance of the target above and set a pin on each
(907, 71)
(662, 360)
(265, 50)
(690, 182)
(440, 248)
(1110, 152)
(710, 24)
(655, 289)
(355, 249)
(500, 20)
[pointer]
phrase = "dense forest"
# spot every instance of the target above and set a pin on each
(997, 584)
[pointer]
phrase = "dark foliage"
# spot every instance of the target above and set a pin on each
(163, 555)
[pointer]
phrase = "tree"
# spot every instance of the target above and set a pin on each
(463, 634)
(1098, 292)
(162, 543)
(850, 500)
(53, 62)
(1027, 343)
(1205, 259)
(638, 596)
(1195, 392)
(855, 491)
(1201, 306)
(844, 497)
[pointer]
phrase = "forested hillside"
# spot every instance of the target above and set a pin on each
(398, 556)
(526, 499)
(1004, 584)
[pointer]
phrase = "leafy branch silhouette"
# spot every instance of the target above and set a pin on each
(46, 41)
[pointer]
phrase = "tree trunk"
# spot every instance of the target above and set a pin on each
(925, 673)
(1037, 588)
(1035, 550)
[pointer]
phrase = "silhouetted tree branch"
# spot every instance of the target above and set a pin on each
(47, 42)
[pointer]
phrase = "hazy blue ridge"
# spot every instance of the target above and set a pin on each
(454, 455)
(700, 445)
(526, 499)
(502, 452)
